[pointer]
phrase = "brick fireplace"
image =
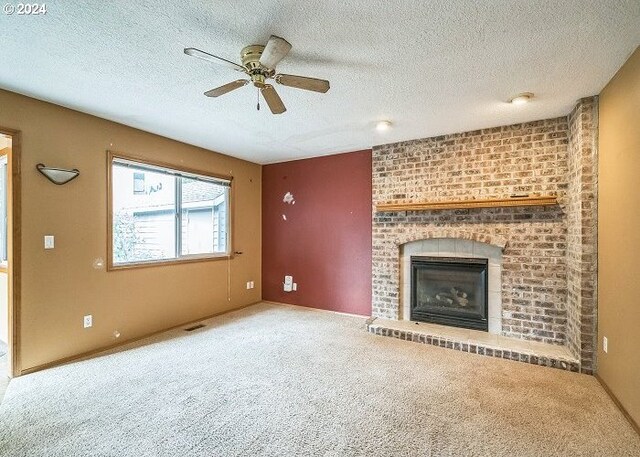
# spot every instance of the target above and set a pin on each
(542, 258)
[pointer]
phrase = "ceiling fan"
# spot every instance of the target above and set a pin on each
(259, 63)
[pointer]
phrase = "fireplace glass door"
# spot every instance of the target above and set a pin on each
(450, 291)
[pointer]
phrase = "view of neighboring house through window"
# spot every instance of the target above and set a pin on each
(161, 214)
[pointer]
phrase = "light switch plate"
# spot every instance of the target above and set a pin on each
(288, 283)
(49, 241)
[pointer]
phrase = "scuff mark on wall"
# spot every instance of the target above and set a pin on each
(289, 200)
(98, 263)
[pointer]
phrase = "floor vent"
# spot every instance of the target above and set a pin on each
(195, 327)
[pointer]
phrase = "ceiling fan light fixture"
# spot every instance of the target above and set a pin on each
(383, 126)
(521, 99)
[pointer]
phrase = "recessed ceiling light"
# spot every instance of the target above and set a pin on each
(522, 98)
(382, 126)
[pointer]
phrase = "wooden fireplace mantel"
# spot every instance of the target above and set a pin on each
(546, 200)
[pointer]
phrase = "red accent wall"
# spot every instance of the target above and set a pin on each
(325, 240)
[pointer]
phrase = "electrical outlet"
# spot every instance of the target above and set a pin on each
(252, 285)
(248, 284)
(88, 321)
(295, 286)
(605, 344)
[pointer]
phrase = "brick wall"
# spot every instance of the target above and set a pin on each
(582, 232)
(524, 158)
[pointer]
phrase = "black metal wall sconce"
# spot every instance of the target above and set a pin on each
(58, 176)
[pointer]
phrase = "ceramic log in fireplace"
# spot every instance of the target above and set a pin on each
(450, 291)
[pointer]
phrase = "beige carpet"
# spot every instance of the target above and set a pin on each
(282, 381)
(4, 369)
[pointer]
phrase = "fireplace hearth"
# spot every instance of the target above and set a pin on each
(450, 291)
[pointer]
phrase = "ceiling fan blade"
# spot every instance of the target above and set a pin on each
(215, 59)
(273, 99)
(274, 52)
(302, 82)
(218, 91)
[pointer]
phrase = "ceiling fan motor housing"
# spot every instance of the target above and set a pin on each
(250, 56)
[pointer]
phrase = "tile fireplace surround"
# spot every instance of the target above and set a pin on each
(447, 247)
(542, 259)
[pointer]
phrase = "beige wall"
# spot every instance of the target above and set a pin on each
(619, 235)
(61, 285)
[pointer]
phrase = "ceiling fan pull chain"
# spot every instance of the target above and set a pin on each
(258, 106)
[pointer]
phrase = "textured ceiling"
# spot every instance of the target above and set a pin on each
(432, 67)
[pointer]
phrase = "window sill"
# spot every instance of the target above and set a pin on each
(162, 263)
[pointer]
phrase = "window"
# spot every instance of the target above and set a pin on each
(160, 214)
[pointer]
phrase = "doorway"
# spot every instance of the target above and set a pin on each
(9, 260)
(5, 152)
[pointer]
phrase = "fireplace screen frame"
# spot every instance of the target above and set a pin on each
(452, 317)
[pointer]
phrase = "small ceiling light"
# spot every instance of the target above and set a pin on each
(522, 98)
(383, 126)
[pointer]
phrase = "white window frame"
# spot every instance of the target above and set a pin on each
(178, 172)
